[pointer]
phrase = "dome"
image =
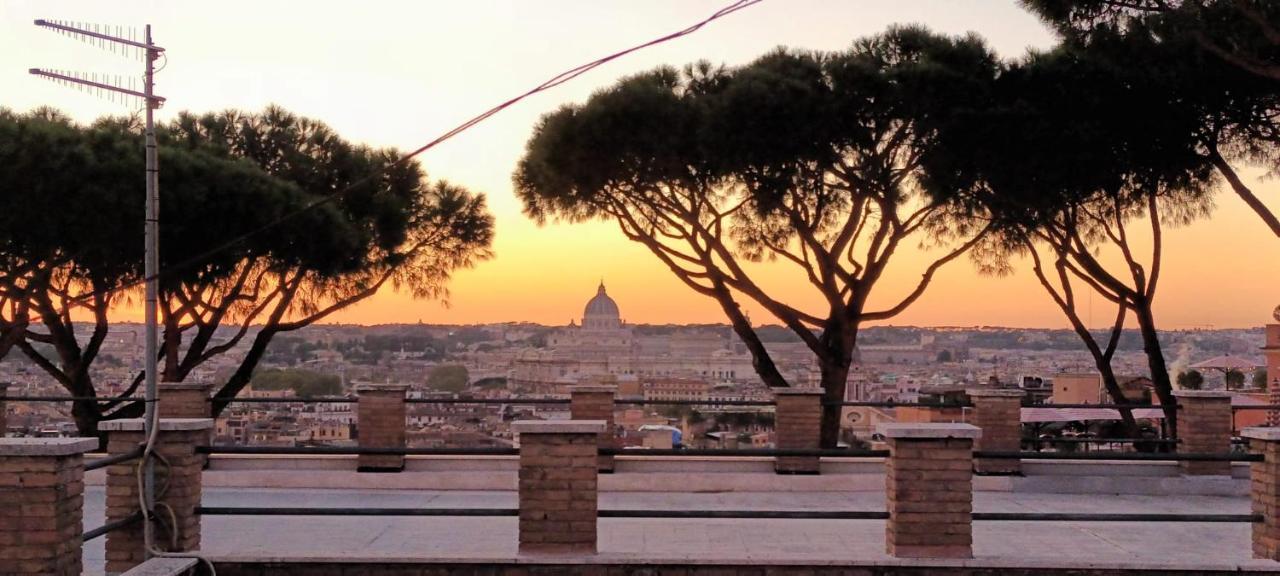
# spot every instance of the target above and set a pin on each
(601, 306)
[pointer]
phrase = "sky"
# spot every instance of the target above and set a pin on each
(400, 73)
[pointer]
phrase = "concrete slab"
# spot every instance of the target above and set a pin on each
(1184, 546)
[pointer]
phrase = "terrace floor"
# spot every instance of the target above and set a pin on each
(1185, 546)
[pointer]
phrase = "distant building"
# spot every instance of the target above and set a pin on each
(603, 345)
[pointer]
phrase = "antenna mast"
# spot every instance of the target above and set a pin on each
(112, 38)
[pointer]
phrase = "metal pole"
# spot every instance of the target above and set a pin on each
(151, 266)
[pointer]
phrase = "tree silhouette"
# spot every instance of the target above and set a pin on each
(77, 218)
(1219, 56)
(1190, 380)
(1083, 162)
(815, 160)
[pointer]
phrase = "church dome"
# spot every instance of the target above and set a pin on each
(601, 306)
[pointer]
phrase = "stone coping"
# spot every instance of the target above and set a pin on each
(1269, 434)
(558, 426)
(594, 388)
(928, 430)
(381, 387)
(46, 446)
(185, 385)
(996, 392)
(165, 424)
(163, 567)
(1201, 394)
(797, 391)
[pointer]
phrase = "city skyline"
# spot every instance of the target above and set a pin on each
(390, 101)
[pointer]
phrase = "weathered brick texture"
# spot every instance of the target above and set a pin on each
(178, 488)
(999, 414)
(380, 423)
(557, 486)
(596, 403)
(183, 400)
(929, 490)
(1264, 484)
(41, 499)
(4, 410)
(1204, 426)
(799, 427)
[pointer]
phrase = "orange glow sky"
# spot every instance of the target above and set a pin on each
(400, 73)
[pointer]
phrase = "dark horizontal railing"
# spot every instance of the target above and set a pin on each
(739, 452)
(747, 452)
(117, 459)
(729, 514)
(1121, 456)
(111, 526)
(71, 398)
(340, 511)
(506, 451)
(619, 400)
(1101, 441)
(356, 450)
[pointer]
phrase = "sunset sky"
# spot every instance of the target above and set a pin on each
(400, 73)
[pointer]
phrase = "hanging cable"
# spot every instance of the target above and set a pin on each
(553, 82)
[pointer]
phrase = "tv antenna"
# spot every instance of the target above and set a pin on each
(125, 42)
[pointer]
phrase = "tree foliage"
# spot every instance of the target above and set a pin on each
(1080, 154)
(448, 378)
(816, 160)
(254, 243)
(1220, 58)
(301, 382)
(1190, 380)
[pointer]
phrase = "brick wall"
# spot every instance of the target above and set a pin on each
(799, 426)
(4, 410)
(1264, 484)
(42, 499)
(380, 423)
(183, 400)
(178, 482)
(929, 490)
(1204, 426)
(596, 403)
(557, 485)
(999, 414)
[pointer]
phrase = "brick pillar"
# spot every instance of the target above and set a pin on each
(184, 400)
(380, 423)
(596, 403)
(798, 423)
(4, 410)
(1204, 425)
(998, 412)
(658, 439)
(558, 485)
(1272, 352)
(929, 481)
(42, 503)
(178, 486)
(1265, 490)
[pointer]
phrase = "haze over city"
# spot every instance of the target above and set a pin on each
(401, 75)
(642, 288)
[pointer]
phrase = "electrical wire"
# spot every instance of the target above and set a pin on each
(152, 425)
(553, 82)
